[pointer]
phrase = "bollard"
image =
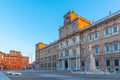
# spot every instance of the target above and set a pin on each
(114, 71)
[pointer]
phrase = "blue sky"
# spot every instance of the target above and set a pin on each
(23, 23)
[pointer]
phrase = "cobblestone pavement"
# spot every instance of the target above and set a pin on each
(55, 75)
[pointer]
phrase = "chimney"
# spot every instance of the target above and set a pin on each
(110, 12)
(92, 21)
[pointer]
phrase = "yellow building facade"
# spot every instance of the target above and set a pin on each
(53, 56)
(69, 41)
(75, 35)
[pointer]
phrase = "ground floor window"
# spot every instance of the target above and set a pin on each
(116, 62)
(97, 63)
(107, 63)
(108, 69)
(117, 69)
(83, 64)
(66, 64)
(83, 69)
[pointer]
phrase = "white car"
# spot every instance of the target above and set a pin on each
(16, 73)
(10, 72)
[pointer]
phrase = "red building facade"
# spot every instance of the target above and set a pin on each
(13, 60)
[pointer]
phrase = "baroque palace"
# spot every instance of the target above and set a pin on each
(70, 50)
(13, 61)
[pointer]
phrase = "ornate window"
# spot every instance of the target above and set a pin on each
(67, 20)
(61, 54)
(61, 34)
(74, 53)
(90, 37)
(83, 64)
(74, 41)
(106, 31)
(116, 62)
(74, 27)
(115, 28)
(83, 52)
(67, 31)
(96, 35)
(82, 39)
(67, 43)
(96, 50)
(115, 46)
(97, 63)
(61, 45)
(107, 48)
(107, 63)
(66, 53)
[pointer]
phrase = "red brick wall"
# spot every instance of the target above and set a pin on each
(14, 60)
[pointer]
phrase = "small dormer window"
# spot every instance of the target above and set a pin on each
(67, 31)
(61, 34)
(67, 19)
(74, 27)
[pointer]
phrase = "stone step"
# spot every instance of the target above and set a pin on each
(3, 76)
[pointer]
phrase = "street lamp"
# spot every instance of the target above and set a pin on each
(30, 55)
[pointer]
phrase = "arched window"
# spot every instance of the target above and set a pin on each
(106, 31)
(61, 54)
(66, 53)
(74, 52)
(67, 43)
(90, 37)
(96, 35)
(115, 46)
(96, 50)
(61, 34)
(115, 28)
(82, 39)
(83, 52)
(67, 20)
(107, 48)
(67, 31)
(74, 27)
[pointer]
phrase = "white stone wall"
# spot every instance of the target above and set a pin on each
(78, 50)
(70, 52)
(78, 39)
(71, 63)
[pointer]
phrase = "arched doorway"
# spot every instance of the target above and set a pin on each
(66, 64)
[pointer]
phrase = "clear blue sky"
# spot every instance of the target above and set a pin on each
(23, 23)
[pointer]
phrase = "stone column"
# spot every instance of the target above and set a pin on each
(52, 66)
(63, 64)
(78, 39)
(76, 63)
(68, 64)
(46, 66)
(43, 66)
(39, 66)
(58, 65)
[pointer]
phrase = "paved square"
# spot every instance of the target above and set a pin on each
(58, 75)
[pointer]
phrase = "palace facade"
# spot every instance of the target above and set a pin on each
(46, 56)
(76, 34)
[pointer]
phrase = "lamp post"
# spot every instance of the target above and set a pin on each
(31, 60)
(30, 55)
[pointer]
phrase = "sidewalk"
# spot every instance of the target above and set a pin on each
(3, 77)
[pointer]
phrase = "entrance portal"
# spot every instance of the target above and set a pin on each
(66, 64)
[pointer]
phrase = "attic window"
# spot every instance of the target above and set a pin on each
(67, 19)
